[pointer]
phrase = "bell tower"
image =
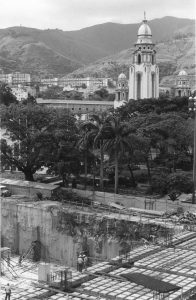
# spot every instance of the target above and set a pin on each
(121, 93)
(143, 72)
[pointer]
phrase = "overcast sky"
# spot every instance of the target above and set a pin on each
(76, 14)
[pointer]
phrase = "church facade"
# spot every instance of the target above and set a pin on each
(122, 91)
(182, 88)
(144, 72)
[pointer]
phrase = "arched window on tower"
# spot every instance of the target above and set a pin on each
(153, 85)
(138, 80)
(139, 59)
(152, 59)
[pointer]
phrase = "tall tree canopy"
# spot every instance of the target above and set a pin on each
(6, 96)
(29, 138)
(146, 106)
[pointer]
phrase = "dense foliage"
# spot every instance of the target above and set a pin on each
(156, 135)
(6, 96)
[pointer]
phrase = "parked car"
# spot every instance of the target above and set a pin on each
(4, 191)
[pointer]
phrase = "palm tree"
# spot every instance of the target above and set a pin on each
(98, 132)
(94, 137)
(84, 144)
(117, 140)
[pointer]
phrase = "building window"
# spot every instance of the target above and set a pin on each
(153, 86)
(87, 108)
(79, 108)
(123, 85)
(72, 108)
(138, 86)
(152, 59)
(139, 59)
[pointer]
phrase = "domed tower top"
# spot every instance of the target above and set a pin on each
(122, 76)
(182, 73)
(144, 35)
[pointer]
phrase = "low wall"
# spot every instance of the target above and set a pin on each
(23, 223)
(136, 202)
(28, 188)
(103, 197)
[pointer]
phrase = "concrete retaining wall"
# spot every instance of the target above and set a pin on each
(23, 223)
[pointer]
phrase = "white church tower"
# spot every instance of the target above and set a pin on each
(144, 73)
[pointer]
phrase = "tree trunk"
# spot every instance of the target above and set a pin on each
(132, 176)
(149, 173)
(116, 173)
(28, 175)
(85, 168)
(101, 166)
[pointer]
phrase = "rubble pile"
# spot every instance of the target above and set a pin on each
(181, 218)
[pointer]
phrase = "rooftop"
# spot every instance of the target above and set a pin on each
(81, 102)
(25, 183)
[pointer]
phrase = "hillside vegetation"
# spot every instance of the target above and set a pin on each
(172, 56)
(60, 52)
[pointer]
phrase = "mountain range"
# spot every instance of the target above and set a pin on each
(59, 53)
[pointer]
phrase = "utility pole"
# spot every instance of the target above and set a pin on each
(192, 108)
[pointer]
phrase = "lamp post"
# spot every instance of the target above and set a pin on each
(192, 108)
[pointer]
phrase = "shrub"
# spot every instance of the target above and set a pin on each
(126, 181)
(179, 182)
(141, 176)
(159, 184)
(64, 195)
(168, 184)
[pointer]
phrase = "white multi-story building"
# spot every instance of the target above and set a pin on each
(143, 72)
(18, 78)
(7, 78)
(89, 82)
(50, 81)
(20, 93)
(15, 78)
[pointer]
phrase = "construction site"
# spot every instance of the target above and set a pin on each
(132, 252)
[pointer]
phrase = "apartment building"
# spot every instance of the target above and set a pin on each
(15, 78)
